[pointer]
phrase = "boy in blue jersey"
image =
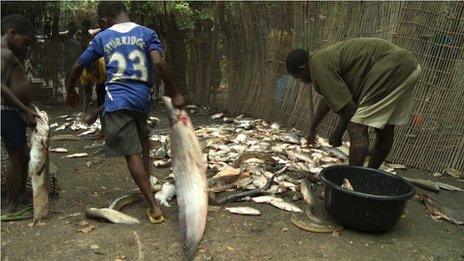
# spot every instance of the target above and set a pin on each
(132, 56)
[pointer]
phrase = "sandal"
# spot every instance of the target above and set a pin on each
(153, 220)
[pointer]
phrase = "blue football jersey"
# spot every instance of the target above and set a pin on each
(126, 48)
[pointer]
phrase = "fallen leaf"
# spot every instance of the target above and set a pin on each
(230, 248)
(335, 234)
(86, 230)
(83, 223)
(94, 246)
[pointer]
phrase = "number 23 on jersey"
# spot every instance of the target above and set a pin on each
(138, 62)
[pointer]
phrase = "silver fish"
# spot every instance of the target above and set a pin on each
(111, 215)
(217, 116)
(244, 211)
(335, 152)
(346, 184)
(87, 132)
(161, 163)
(449, 187)
(76, 155)
(285, 206)
(38, 166)
(166, 194)
(190, 173)
(59, 150)
(264, 199)
(308, 192)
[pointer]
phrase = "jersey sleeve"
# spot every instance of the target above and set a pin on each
(329, 84)
(154, 43)
(92, 53)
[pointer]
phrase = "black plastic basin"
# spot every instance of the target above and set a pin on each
(375, 205)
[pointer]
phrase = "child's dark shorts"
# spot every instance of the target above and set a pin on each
(124, 132)
(13, 127)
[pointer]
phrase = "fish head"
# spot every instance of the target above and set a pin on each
(175, 115)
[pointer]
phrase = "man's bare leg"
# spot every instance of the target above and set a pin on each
(382, 146)
(15, 177)
(138, 173)
(359, 143)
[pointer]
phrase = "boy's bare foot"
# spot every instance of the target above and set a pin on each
(154, 219)
(155, 211)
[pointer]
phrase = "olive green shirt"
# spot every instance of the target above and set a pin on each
(364, 70)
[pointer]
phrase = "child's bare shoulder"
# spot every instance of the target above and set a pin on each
(8, 58)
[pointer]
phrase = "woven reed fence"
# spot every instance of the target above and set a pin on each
(258, 35)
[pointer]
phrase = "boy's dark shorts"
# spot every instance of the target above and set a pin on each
(124, 131)
(13, 128)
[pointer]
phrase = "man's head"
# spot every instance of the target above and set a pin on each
(86, 24)
(18, 32)
(297, 63)
(72, 28)
(108, 11)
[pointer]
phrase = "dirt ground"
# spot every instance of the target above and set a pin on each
(228, 237)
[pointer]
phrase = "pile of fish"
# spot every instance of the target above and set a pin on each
(254, 158)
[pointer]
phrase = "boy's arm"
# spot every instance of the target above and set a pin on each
(161, 69)
(90, 55)
(71, 97)
(9, 96)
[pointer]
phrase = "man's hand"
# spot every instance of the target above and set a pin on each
(311, 137)
(72, 99)
(178, 101)
(336, 139)
(30, 118)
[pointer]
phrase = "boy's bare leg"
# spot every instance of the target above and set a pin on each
(86, 95)
(15, 177)
(359, 143)
(146, 155)
(139, 175)
(382, 146)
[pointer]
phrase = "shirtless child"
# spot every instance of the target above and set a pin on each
(17, 33)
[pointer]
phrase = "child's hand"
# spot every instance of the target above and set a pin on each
(30, 118)
(72, 99)
(178, 101)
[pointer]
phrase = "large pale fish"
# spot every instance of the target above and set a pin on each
(38, 166)
(190, 174)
